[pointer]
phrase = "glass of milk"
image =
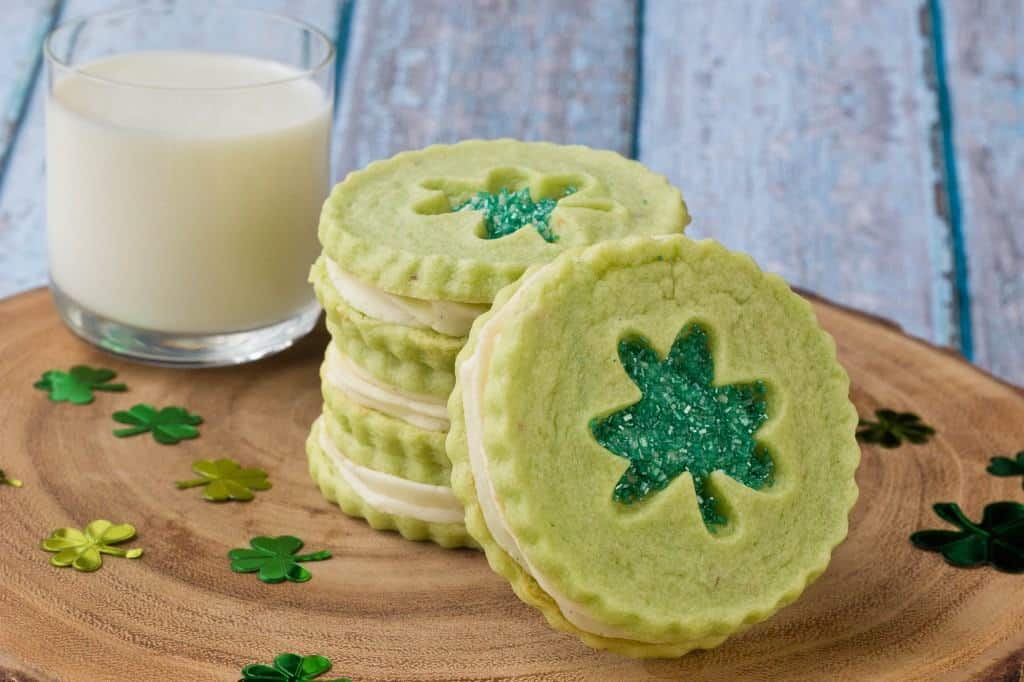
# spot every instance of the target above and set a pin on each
(188, 155)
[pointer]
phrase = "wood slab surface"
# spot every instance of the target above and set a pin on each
(387, 609)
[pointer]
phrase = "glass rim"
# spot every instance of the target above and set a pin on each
(54, 60)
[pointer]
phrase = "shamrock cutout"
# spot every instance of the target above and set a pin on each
(169, 425)
(508, 212)
(997, 540)
(684, 422)
(225, 480)
(290, 668)
(76, 386)
(1004, 466)
(275, 559)
(892, 428)
(82, 550)
(13, 482)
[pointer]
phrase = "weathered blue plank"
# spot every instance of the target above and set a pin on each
(800, 133)
(985, 72)
(22, 194)
(22, 30)
(437, 71)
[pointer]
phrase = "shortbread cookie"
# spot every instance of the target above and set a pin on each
(654, 443)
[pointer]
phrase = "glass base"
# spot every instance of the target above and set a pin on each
(183, 350)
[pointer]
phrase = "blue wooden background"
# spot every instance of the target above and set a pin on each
(871, 151)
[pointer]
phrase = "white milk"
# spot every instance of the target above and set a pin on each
(188, 211)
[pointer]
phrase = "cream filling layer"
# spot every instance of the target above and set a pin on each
(473, 374)
(391, 494)
(423, 411)
(445, 317)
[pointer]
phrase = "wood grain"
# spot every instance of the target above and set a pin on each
(985, 60)
(800, 133)
(387, 609)
(23, 193)
(435, 71)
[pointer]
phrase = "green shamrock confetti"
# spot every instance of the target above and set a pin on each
(1004, 466)
(13, 482)
(892, 428)
(225, 479)
(77, 385)
(275, 559)
(290, 668)
(997, 540)
(83, 550)
(684, 422)
(169, 425)
(507, 212)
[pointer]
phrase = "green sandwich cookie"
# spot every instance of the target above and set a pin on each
(654, 444)
(416, 510)
(411, 359)
(384, 441)
(456, 223)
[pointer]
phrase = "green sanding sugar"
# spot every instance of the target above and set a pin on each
(507, 212)
(683, 422)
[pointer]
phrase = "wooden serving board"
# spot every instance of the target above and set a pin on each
(387, 609)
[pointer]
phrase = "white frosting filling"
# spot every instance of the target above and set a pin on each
(392, 494)
(473, 378)
(423, 411)
(445, 317)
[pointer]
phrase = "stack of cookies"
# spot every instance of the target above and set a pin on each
(415, 248)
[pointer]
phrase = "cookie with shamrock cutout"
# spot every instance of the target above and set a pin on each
(416, 510)
(654, 444)
(456, 223)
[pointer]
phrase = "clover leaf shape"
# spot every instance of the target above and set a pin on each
(1004, 466)
(998, 539)
(290, 668)
(275, 559)
(685, 422)
(225, 479)
(13, 482)
(77, 385)
(82, 550)
(169, 425)
(892, 428)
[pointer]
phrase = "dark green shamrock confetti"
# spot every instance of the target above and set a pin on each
(684, 422)
(13, 482)
(892, 428)
(169, 425)
(225, 479)
(76, 386)
(997, 540)
(83, 550)
(290, 668)
(1004, 466)
(507, 212)
(275, 559)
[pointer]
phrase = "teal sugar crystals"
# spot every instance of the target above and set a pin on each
(507, 212)
(683, 422)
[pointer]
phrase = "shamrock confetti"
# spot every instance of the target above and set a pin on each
(13, 482)
(1004, 466)
(225, 480)
(290, 668)
(997, 540)
(77, 385)
(82, 550)
(169, 425)
(508, 212)
(892, 428)
(275, 559)
(684, 422)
